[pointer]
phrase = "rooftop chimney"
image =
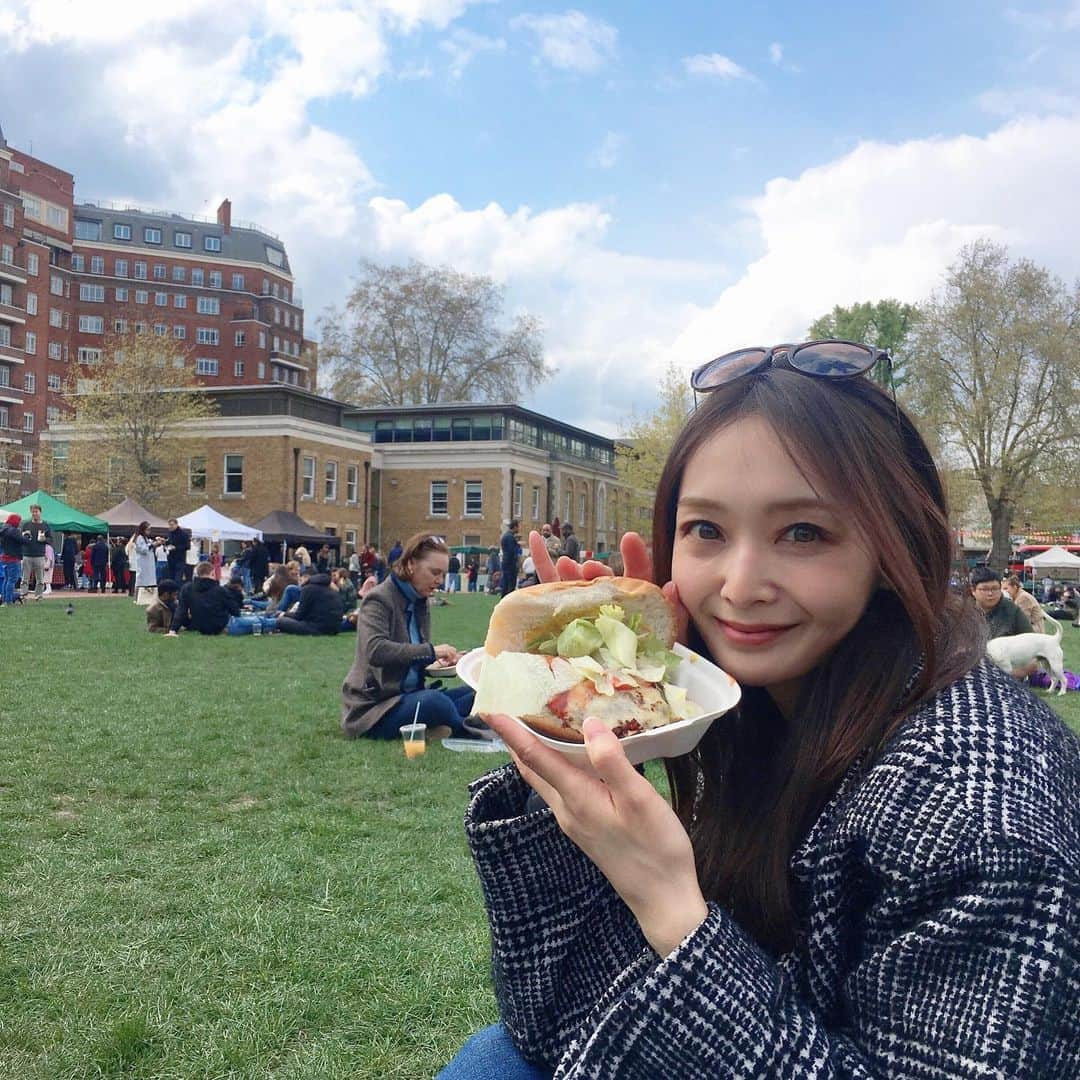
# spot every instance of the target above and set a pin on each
(224, 216)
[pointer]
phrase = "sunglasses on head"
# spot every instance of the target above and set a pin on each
(831, 359)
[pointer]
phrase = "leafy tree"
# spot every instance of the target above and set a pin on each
(128, 414)
(887, 324)
(645, 442)
(416, 334)
(998, 378)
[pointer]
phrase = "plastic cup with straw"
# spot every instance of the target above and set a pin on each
(414, 735)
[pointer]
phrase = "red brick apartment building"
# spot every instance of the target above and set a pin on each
(73, 273)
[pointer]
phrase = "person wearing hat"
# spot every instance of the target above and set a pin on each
(11, 552)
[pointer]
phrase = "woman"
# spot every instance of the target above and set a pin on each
(385, 686)
(145, 566)
(346, 589)
(871, 867)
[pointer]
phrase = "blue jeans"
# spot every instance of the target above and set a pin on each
(244, 624)
(9, 574)
(489, 1054)
(448, 707)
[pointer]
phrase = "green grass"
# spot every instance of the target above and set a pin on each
(201, 878)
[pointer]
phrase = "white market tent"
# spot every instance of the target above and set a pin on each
(1055, 558)
(207, 524)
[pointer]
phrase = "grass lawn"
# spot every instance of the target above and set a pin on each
(201, 878)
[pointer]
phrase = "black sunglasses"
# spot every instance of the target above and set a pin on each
(831, 359)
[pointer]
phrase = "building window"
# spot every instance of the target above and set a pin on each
(32, 207)
(160, 329)
(516, 511)
(78, 263)
(179, 332)
(97, 264)
(161, 299)
(9, 217)
(274, 256)
(581, 510)
(121, 295)
(93, 293)
(238, 368)
(32, 264)
(211, 243)
(238, 281)
(206, 366)
(208, 305)
(568, 513)
(54, 383)
(262, 370)
(239, 338)
(140, 327)
(120, 326)
(179, 300)
(474, 498)
(121, 267)
(87, 230)
(5, 415)
(90, 356)
(151, 235)
(142, 296)
(121, 232)
(307, 489)
(330, 482)
(27, 462)
(439, 501)
(56, 285)
(215, 279)
(52, 413)
(31, 343)
(28, 421)
(352, 484)
(31, 303)
(54, 353)
(536, 504)
(56, 217)
(182, 239)
(30, 382)
(207, 335)
(262, 339)
(179, 273)
(277, 315)
(601, 508)
(196, 474)
(140, 270)
(234, 474)
(350, 539)
(159, 272)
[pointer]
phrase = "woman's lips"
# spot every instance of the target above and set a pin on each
(748, 634)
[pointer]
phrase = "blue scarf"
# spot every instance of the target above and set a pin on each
(413, 679)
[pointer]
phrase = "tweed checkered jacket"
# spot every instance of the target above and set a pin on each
(938, 932)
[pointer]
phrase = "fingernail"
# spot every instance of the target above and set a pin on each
(592, 727)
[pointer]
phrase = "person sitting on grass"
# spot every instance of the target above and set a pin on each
(346, 589)
(159, 615)
(319, 611)
(205, 605)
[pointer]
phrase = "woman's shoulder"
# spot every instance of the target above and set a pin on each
(983, 761)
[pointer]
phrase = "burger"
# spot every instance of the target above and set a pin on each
(560, 652)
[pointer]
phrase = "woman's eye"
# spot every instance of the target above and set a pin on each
(804, 533)
(703, 530)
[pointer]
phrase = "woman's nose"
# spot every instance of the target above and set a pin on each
(745, 576)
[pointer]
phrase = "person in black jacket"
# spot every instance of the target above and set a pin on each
(258, 564)
(11, 549)
(177, 543)
(509, 547)
(68, 554)
(118, 561)
(204, 605)
(320, 610)
(99, 564)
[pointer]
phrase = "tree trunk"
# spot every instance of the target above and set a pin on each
(1001, 512)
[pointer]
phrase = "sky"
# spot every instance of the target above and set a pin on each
(657, 183)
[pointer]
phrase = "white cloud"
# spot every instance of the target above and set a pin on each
(463, 46)
(776, 52)
(606, 154)
(572, 41)
(715, 65)
(886, 220)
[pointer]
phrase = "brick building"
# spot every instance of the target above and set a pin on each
(71, 274)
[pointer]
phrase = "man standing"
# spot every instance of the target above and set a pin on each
(11, 548)
(36, 534)
(68, 554)
(551, 542)
(453, 575)
(509, 562)
(177, 543)
(118, 561)
(258, 564)
(571, 544)
(99, 564)
(395, 553)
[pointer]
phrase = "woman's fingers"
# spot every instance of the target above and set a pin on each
(549, 765)
(608, 758)
(545, 568)
(636, 560)
(567, 569)
(591, 569)
(682, 616)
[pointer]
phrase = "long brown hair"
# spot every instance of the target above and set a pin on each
(755, 784)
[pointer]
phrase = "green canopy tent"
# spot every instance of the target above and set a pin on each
(470, 549)
(59, 516)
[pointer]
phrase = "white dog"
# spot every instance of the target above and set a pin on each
(1018, 651)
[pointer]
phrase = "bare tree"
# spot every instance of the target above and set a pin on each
(998, 377)
(128, 414)
(416, 334)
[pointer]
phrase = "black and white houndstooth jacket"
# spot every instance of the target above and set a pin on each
(939, 927)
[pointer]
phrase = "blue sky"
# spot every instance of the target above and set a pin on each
(657, 183)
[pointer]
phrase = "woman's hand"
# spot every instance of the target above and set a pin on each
(635, 555)
(622, 823)
(446, 654)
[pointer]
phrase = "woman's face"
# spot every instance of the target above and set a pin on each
(426, 574)
(773, 574)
